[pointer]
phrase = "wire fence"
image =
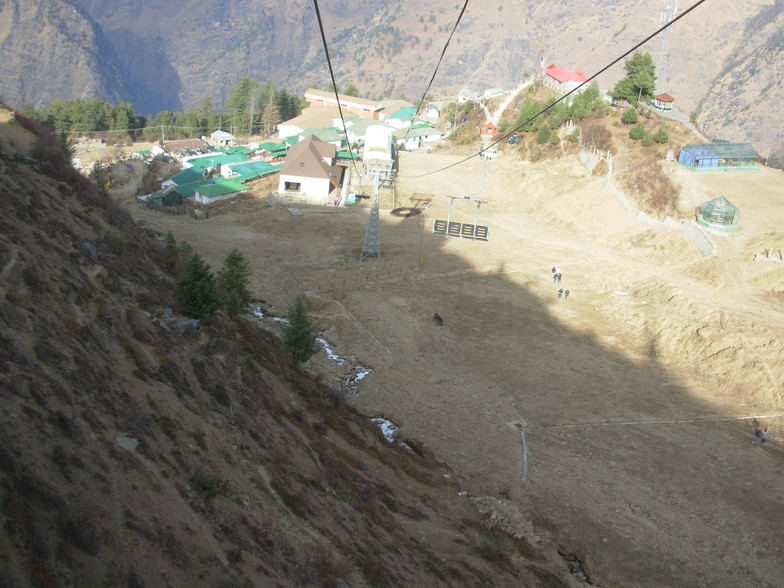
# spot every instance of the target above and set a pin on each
(174, 210)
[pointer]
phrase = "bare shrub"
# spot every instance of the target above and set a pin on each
(652, 188)
(325, 566)
(597, 135)
(600, 169)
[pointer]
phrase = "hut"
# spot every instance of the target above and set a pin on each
(663, 102)
(489, 130)
(720, 214)
(719, 156)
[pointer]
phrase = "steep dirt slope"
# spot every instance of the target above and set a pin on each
(134, 455)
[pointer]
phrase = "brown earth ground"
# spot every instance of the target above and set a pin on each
(636, 397)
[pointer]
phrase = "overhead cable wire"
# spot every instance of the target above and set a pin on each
(334, 83)
(443, 52)
(562, 98)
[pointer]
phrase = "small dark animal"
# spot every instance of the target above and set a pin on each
(438, 320)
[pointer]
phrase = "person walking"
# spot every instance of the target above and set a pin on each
(560, 292)
(764, 436)
(555, 274)
(566, 294)
(757, 436)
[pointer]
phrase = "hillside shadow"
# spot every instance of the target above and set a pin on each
(138, 56)
(534, 398)
(635, 468)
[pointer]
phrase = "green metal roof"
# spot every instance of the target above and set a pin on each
(242, 168)
(404, 112)
(328, 135)
(273, 167)
(163, 194)
(219, 189)
(359, 125)
(189, 190)
(237, 149)
(188, 175)
(214, 160)
(254, 169)
(270, 146)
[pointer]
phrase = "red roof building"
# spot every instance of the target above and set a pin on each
(488, 130)
(663, 102)
(562, 79)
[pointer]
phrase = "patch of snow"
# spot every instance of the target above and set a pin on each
(255, 309)
(350, 383)
(388, 429)
(358, 371)
(361, 373)
(330, 352)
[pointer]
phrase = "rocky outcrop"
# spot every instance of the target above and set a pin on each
(52, 49)
(743, 102)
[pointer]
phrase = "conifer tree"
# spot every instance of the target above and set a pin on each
(232, 282)
(637, 132)
(661, 136)
(640, 81)
(299, 335)
(195, 289)
(629, 116)
(170, 252)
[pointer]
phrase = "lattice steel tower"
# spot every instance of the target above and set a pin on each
(372, 243)
(661, 67)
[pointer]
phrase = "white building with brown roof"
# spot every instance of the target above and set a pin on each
(310, 171)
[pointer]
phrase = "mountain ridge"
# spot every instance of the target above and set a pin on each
(172, 56)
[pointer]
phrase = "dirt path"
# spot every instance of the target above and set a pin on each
(635, 395)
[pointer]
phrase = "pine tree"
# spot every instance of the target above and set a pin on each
(195, 289)
(629, 116)
(640, 81)
(170, 252)
(661, 136)
(543, 135)
(637, 132)
(524, 120)
(299, 336)
(232, 282)
(239, 104)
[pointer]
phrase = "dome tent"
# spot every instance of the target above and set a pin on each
(720, 214)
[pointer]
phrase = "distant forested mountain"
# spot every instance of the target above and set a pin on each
(723, 62)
